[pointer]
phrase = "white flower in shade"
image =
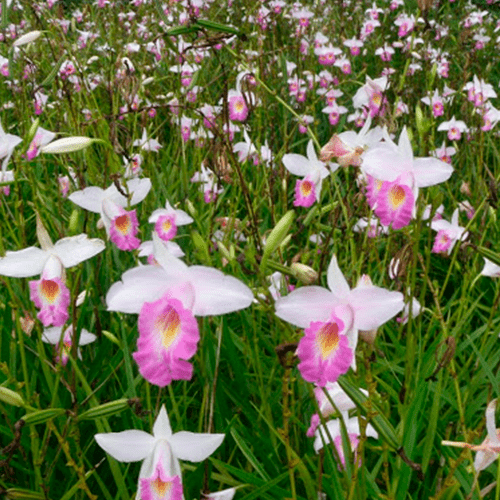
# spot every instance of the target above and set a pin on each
(167, 219)
(7, 144)
(334, 431)
(160, 454)
(448, 233)
(63, 340)
(147, 144)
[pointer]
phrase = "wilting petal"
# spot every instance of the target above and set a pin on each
(193, 446)
(126, 446)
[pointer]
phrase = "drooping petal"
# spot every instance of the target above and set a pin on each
(194, 447)
(217, 293)
(23, 263)
(126, 446)
(373, 306)
(306, 304)
(76, 249)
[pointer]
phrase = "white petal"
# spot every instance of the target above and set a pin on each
(430, 171)
(336, 281)
(306, 304)
(86, 337)
(23, 263)
(296, 164)
(217, 293)
(76, 249)
(89, 198)
(52, 335)
(193, 446)
(373, 306)
(384, 162)
(126, 446)
(490, 423)
(140, 188)
(140, 284)
(161, 427)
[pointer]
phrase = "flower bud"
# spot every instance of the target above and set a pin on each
(11, 397)
(279, 233)
(105, 410)
(42, 416)
(68, 145)
(27, 38)
(303, 273)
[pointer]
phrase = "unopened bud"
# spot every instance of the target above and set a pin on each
(11, 397)
(27, 38)
(303, 273)
(68, 145)
(279, 233)
(420, 121)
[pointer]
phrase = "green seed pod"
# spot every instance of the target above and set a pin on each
(74, 220)
(279, 233)
(112, 338)
(42, 416)
(105, 410)
(22, 494)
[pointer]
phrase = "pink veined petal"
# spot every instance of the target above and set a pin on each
(126, 446)
(52, 297)
(305, 193)
(160, 486)
(395, 203)
(123, 230)
(217, 293)
(336, 280)
(161, 427)
(430, 171)
(324, 352)
(194, 447)
(165, 227)
(89, 198)
(306, 304)
(373, 306)
(76, 249)
(168, 337)
(23, 263)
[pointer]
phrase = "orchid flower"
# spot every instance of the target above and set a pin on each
(42, 138)
(121, 226)
(313, 171)
(50, 294)
(447, 234)
(160, 454)
(490, 269)
(167, 219)
(332, 319)
(63, 340)
(399, 175)
(489, 449)
(167, 297)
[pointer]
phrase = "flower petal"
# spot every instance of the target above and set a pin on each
(430, 171)
(89, 198)
(126, 446)
(23, 263)
(336, 281)
(161, 427)
(297, 164)
(373, 306)
(306, 304)
(217, 293)
(76, 249)
(193, 446)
